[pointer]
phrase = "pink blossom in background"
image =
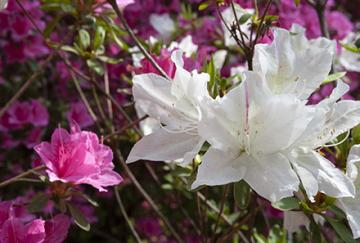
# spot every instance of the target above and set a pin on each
(14, 230)
(164, 61)
(27, 112)
(79, 114)
(79, 158)
(56, 229)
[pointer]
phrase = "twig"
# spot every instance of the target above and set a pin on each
(137, 42)
(146, 195)
(23, 174)
(26, 85)
(123, 211)
(222, 205)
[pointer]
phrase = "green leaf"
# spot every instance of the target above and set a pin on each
(99, 37)
(109, 60)
(343, 232)
(333, 77)
(204, 6)
(338, 212)
(286, 204)
(355, 133)
(37, 203)
(242, 194)
(79, 218)
(84, 38)
(245, 17)
(357, 43)
(95, 66)
(351, 48)
(315, 232)
(297, 2)
(69, 49)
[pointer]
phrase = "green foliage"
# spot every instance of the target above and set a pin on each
(78, 217)
(334, 77)
(287, 204)
(242, 193)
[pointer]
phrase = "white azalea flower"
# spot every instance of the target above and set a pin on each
(250, 131)
(219, 59)
(230, 19)
(348, 59)
(186, 45)
(292, 64)
(351, 206)
(3, 4)
(175, 105)
(282, 136)
(163, 24)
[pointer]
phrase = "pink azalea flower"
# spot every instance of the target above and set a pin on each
(15, 231)
(164, 61)
(57, 229)
(79, 158)
(80, 115)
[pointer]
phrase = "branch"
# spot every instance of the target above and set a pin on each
(20, 176)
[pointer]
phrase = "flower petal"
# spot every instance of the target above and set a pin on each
(163, 146)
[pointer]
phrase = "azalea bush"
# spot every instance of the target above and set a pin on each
(179, 121)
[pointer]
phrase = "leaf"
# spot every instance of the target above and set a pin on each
(357, 43)
(244, 18)
(297, 2)
(333, 77)
(351, 48)
(69, 49)
(338, 212)
(315, 232)
(79, 218)
(95, 66)
(287, 204)
(84, 38)
(355, 133)
(203, 6)
(241, 194)
(37, 203)
(343, 232)
(99, 37)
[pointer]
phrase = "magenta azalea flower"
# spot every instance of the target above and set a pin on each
(79, 158)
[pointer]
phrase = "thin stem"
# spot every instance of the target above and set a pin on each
(83, 97)
(26, 85)
(127, 126)
(320, 10)
(146, 195)
(137, 42)
(222, 205)
(21, 175)
(123, 211)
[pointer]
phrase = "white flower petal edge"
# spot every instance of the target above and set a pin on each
(350, 60)
(292, 64)
(175, 105)
(351, 206)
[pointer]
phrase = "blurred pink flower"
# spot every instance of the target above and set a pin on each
(164, 61)
(78, 158)
(79, 114)
(14, 230)
(57, 229)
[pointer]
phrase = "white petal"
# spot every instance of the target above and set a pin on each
(219, 168)
(351, 207)
(331, 181)
(308, 181)
(163, 146)
(293, 221)
(342, 116)
(3, 4)
(292, 64)
(163, 24)
(272, 177)
(352, 170)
